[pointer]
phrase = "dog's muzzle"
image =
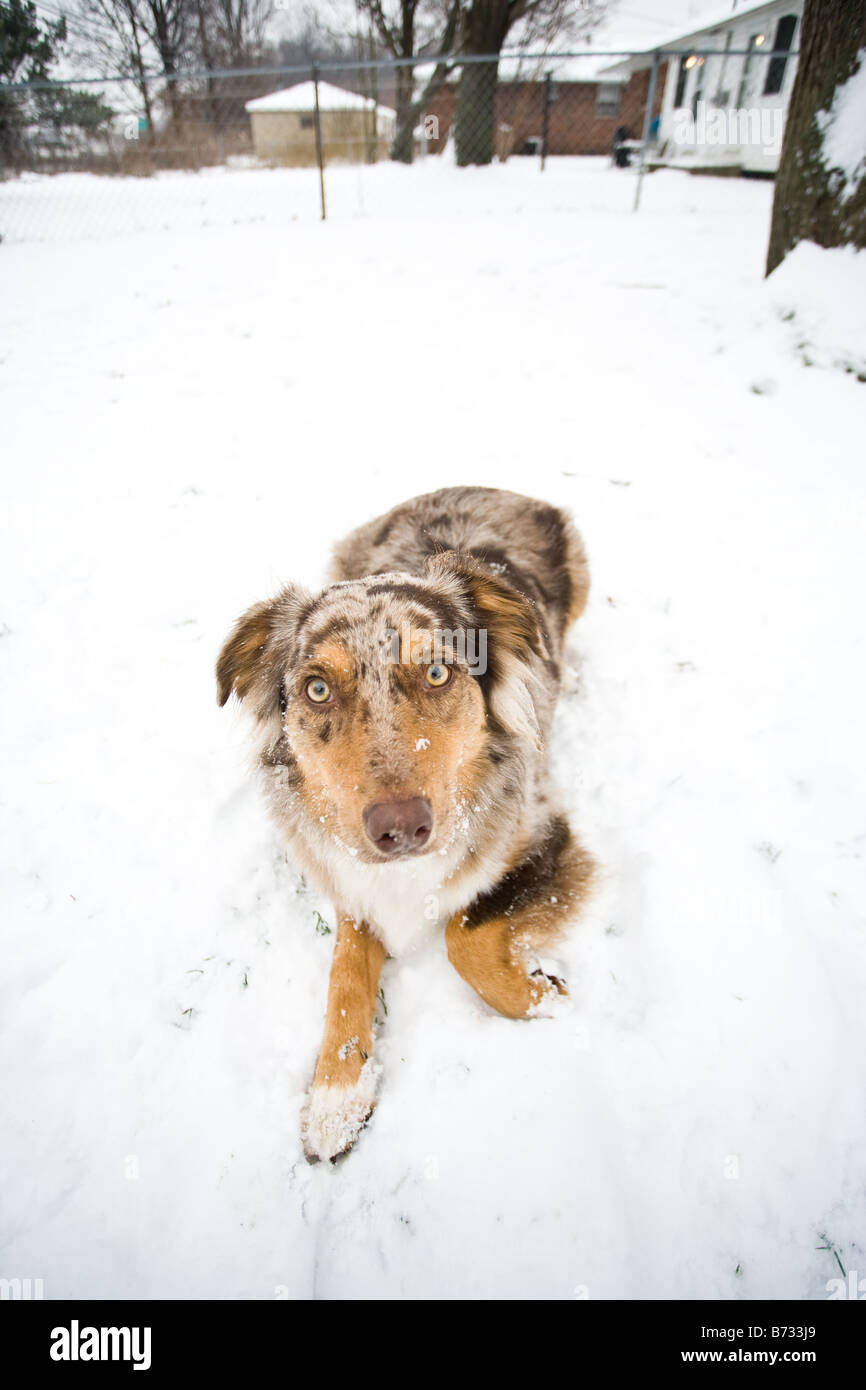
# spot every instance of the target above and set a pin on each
(399, 827)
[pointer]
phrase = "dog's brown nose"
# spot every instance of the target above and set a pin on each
(395, 827)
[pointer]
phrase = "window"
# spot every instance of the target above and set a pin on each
(699, 85)
(307, 123)
(607, 98)
(748, 70)
(723, 96)
(782, 44)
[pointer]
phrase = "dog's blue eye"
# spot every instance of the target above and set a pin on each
(437, 674)
(318, 691)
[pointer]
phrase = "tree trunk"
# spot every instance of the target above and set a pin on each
(475, 117)
(813, 202)
(486, 26)
(141, 82)
(403, 145)
(212, 106)
(404, 137)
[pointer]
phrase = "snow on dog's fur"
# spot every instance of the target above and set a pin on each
(412, 785)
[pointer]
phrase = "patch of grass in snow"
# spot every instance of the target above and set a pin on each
(322, 928)
(381, 998)
(831, 1249)
(771, 851)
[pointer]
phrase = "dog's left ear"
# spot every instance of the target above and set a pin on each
(515, 640)
(257, 651)
(509, 617)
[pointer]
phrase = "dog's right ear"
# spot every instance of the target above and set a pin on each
(258, 649)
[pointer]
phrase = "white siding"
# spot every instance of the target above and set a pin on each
(750, 139)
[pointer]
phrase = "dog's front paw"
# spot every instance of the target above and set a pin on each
(545, 991)
(335, 1115)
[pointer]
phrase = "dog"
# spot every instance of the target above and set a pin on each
(401, 717)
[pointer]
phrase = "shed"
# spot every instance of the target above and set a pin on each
(354, 128)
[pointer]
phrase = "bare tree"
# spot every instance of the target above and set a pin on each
(166, 23)
(815, 199)
(138, 38)
(228, 34)
(408, 29)
(148, 38)
(235, 29)
(119, 42)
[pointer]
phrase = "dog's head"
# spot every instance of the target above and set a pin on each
(389, 696)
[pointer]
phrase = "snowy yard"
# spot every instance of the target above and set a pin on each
(203, 389)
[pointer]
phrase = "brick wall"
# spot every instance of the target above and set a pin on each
(574, 125)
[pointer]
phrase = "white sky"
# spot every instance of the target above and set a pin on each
(632, 24)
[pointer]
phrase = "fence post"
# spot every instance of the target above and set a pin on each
(647, 123)
(319, 157)
(547, 98)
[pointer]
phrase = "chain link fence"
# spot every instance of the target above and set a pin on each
(97, 157)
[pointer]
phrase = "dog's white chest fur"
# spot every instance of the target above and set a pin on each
(405, 903)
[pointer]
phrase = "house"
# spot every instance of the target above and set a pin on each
(725, 99)
(583, 114)
(354, 128)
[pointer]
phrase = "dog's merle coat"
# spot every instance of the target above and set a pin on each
(502, 872)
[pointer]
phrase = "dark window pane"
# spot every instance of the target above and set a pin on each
(776, 67)
(682, 79)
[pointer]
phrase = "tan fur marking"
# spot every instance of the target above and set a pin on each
(493, 955)
(510, 616)
(333, 655)
(238, 661)
(488, 959)
(354, 981)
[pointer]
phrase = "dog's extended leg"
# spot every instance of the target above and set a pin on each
(492, 943)
(493, 963)
(344, 1086)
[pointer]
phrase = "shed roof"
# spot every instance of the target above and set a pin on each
(302, 97)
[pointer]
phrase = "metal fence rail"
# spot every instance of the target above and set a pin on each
(472, 111)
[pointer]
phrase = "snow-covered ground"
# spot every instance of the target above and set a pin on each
(192, 414)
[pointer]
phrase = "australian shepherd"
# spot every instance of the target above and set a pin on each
(401, 716)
